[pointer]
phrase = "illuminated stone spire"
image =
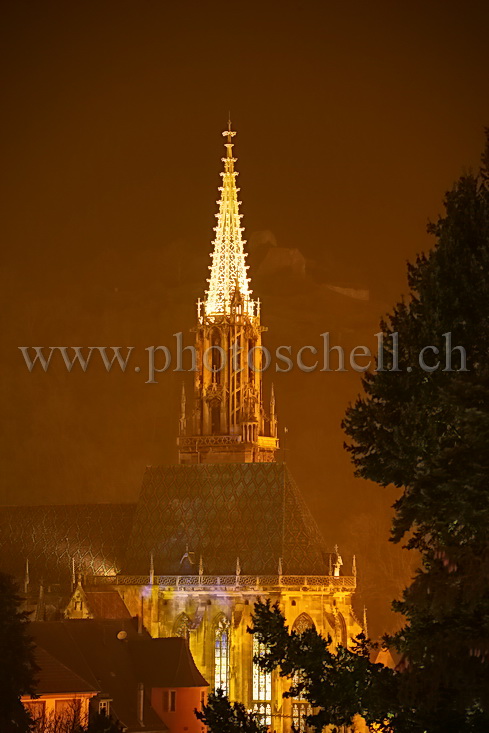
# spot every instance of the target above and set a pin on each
(229, 423)
(228, 269)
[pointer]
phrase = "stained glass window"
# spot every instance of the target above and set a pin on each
(262, 681)
(300, 707)
(302, 622)
(181, 626)
(299, 712)
(263, 711)
(221, 655)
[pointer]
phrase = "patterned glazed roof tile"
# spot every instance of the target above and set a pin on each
(51, 536)
(253, 511)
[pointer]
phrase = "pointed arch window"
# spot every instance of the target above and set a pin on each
(263, 711)
(221, 655)
(343, 632)
(262, 686)
(303, 622)
(301, 708)
(215, 409)
(216, 364)
(181, 627)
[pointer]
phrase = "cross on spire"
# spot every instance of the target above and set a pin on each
(229, 133)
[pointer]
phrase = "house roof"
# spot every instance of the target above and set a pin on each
(97, 650)
(55, 677)
(253, 511)
(106, 603)
(92, 648)
(165, 663)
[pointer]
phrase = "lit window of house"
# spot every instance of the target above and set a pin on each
(169, 702)
(104, 707)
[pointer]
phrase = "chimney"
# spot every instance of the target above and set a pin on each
(140, 704)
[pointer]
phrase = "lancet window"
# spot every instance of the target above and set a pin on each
(221, 655)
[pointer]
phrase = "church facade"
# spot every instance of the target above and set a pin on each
(210, 535)
(228, 525)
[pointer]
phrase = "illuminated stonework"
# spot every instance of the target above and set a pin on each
(219, 610)
(262, 686)
(238, 518)
(228, 269)
(226, 526)
(228, 421)
(221, 654)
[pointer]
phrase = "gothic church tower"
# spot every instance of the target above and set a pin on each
(225, 526)
(229, 423)
(228, 524)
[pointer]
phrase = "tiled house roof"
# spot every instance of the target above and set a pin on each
(54, 677)
(96, 649)
(106, 603)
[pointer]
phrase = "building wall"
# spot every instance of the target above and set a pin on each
(51, 703)
(195, 613)
(77, 607)
(182, 719)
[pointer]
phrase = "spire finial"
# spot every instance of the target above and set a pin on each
(229, 133)
(151, 569)
(365, 626)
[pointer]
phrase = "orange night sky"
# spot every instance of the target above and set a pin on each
(352, 118)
